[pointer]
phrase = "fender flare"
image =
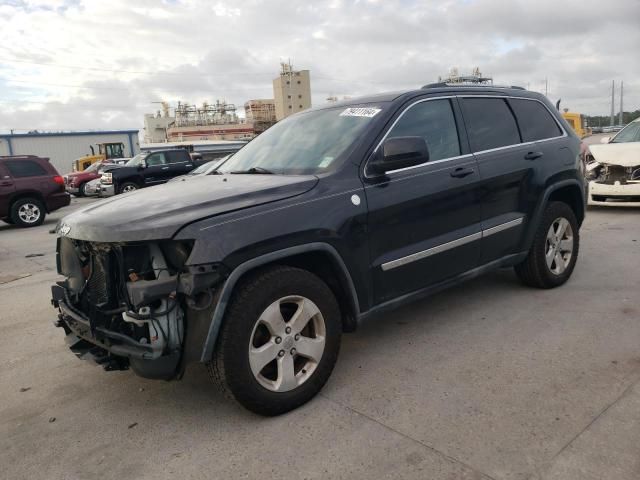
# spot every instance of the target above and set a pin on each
(533, 225)
(237, 273)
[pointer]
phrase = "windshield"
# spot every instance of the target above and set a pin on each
(630, 133)
(137, 160)
(204, 167)
(306, 143)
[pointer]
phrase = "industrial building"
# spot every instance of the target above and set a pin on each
(65, 147)
(155, 126)
(292, 91)
(261, 113)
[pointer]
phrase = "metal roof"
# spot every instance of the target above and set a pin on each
(67, 134)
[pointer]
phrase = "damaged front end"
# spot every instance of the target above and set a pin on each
(133, 304)
(613, 184)
(613, 173)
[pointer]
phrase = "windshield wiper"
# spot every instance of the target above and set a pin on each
(255, 170)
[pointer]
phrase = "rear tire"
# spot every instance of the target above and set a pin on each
(554, 251)
(279, 341)
(27, 212)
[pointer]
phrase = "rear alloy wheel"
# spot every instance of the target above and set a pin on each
(128, 187)
(554, 252)
(27, 212)
(279, 341)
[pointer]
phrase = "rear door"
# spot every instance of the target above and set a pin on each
(507, 175)
(7, 187)
(424, 221)
(179, 162)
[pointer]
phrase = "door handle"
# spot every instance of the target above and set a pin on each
(461, 172)
(165, 168)
(533, 155)
(6, 184)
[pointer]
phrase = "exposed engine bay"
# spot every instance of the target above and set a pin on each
(126, 305)
(613, 173)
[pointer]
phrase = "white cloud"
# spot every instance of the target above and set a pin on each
(92, 64)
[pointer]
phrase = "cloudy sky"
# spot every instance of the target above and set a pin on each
(89, 64)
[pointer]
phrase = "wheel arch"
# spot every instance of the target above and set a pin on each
(319, 258)
(570, 192)
(27, 194)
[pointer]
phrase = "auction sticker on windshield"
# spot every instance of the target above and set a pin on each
(360, 112)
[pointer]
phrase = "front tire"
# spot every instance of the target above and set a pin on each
(27, 212)
(83, 191)
(279, 341)
(127, 187)
(554, 251)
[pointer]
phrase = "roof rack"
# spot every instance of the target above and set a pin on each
(462, 85)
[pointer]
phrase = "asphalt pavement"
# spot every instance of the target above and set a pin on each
(488, 380)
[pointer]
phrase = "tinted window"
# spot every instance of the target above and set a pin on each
(177, 157)
(25, 168)
(156, 159)
(536, 123)
(490, 123)
(434, 121)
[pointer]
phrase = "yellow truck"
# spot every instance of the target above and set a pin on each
(577, 123)
(106, 151)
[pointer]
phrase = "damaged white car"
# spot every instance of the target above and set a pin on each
(613, 169)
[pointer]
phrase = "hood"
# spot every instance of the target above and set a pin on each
(623, 154)
(159, 212)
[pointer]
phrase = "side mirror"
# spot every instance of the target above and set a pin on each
(400, 152)
(605, 139)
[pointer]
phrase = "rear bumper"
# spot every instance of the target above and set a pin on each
(617, 195)
(58, 200)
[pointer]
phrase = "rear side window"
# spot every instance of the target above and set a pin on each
(25, 168)
(432, 120)
(177, 157)
(490, 123)
(536, 123)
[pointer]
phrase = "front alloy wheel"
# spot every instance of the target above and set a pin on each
(279, 340)
(287, 343)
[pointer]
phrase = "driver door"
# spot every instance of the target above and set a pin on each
(425, 220)
(157, 170)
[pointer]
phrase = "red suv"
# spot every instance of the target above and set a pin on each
(30, 187)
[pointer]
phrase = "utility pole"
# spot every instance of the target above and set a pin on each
(620, 122)
(613, 91)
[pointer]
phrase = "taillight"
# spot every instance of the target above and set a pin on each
(58, 179)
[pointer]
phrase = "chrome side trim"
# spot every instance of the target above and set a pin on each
(449, 245)
(434, 162)
(502, 227)
(431, 251)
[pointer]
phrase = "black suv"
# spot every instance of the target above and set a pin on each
(327, 217)
(146, 169)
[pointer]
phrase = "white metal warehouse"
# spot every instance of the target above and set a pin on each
(65, 147)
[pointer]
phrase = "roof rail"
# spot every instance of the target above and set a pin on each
(462, 85)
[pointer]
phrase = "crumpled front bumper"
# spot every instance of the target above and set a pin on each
(618, 195)
(95, 344)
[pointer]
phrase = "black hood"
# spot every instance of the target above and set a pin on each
(159, 212)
